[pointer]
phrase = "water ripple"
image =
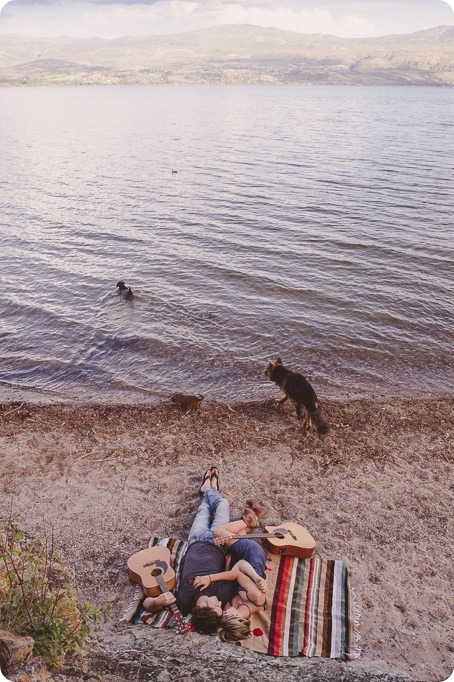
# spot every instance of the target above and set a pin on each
(315, 223)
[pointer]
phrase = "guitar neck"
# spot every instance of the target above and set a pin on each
(252, 536)
(163, 587)
(162, 584)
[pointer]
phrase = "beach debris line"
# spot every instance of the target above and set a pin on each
(5, 414)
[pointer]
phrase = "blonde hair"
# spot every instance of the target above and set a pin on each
(234, 628)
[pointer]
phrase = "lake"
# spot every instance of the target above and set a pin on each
(314, 223)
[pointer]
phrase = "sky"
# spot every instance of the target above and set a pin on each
(116, 18)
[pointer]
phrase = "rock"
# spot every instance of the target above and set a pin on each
(32, 671)
(153, 655)
(14, 650)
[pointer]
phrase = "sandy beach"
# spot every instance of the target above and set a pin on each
(375, 492)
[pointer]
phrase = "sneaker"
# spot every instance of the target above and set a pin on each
(257, 507)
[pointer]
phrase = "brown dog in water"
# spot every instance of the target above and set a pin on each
(298, 389)
(193, 402)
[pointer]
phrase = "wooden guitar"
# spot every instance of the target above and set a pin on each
(151, 569)
(289, 538)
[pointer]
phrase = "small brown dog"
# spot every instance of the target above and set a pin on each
(192, 402)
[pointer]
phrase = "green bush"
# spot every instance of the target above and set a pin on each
(38, 597)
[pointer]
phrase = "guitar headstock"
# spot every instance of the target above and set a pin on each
(181, 626)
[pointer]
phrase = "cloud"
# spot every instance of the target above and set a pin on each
(114, 18)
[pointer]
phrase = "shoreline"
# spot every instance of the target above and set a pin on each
(373, 492)
(10, 393)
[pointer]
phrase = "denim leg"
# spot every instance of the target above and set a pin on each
(221, 509)
(213, 511)
(202, 519)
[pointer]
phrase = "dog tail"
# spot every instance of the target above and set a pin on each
(319, 421)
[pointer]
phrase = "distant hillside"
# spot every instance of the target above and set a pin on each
(231, 54)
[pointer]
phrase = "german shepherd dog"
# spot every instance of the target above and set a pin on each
(298, 389)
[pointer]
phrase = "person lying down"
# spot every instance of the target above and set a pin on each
(221, 601)
(248, 597)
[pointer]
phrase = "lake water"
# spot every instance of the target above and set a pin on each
(314, 223)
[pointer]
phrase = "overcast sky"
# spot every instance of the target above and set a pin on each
(112, 18)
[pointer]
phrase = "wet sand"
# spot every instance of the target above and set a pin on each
(375, 492)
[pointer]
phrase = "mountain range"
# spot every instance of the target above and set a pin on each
(231, 54)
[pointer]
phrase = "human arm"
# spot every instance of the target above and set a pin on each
(254, 596)
(241, 568)
(156, 604)
(247, 578)
(202, 581)
(223, 534)
(246, 568)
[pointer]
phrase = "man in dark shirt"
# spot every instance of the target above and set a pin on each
(202, 557)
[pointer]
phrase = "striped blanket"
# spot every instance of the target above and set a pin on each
(311, 608)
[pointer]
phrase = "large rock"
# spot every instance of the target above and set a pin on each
(14, 650)
(34, 670)
(124, 653)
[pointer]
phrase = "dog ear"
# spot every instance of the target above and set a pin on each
(278, 362)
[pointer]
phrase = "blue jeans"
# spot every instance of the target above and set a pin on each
(213, 511)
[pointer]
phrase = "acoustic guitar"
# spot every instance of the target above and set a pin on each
(288, 538)
(151, 569)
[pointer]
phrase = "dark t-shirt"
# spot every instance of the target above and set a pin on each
(202, 558)
(251, 551)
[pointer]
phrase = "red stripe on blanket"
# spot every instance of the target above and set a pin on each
(277, 626)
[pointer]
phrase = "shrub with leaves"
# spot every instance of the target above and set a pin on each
(38, 596)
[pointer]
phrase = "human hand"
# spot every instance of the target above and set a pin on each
(222, 540)
(261, 584)
(164, 599)
(202, 581)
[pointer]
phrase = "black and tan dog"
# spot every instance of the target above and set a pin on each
(298, 389)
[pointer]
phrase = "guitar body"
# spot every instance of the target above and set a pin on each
(288, 538)
(151, 569)
(144, 566)
(296, 540)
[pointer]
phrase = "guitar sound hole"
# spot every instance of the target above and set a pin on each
(280, 536)
(156, 571)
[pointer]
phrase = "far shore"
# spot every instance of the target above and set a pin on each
(374, 492)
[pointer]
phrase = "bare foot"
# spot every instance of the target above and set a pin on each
(215, 477)
(206, 481)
